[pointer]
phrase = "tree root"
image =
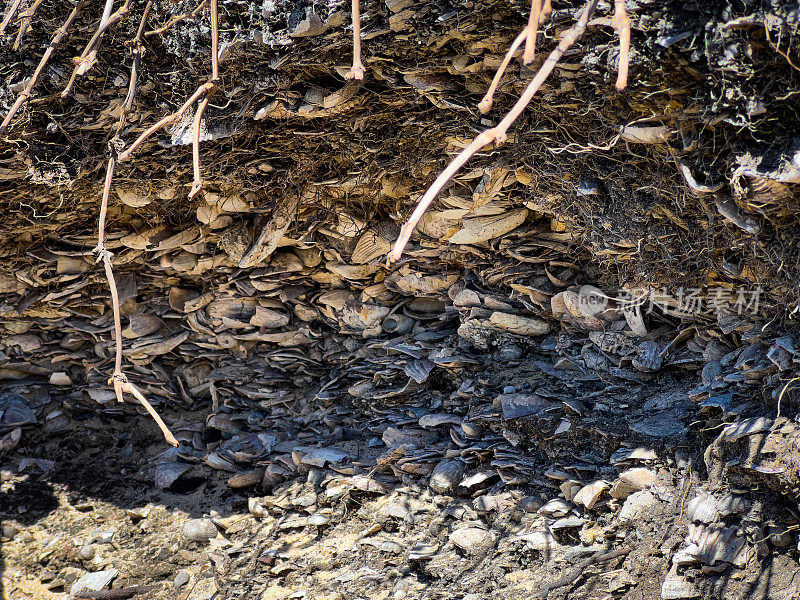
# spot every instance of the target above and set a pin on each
(622, 25)
(9, 16)
(497, 134)
(168, 120)
(26, 16)
(88, 57)
(202, 95)
(197, 184)
(356, 72)
(176, 19)
(26, 93)
(118, 379)
(776, 46)
(539, 16)
(528, 33)
(485, 105)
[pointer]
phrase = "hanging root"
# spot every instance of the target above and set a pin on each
(26, 93)
(539, 16)
(118, 379)
(485, 105)
(26, 16)
(176, 19)
(356, 72)
(203, 95)
(88, 57)
(622, 25)
(497, 134)
(526, 35)
(197, 184)
(168, 120)
(9, 16)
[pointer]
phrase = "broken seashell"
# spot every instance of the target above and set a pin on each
(140, 325)
(133, 199)
(482, 229)
(590, 495)
(178, 297)
(446, 475)
(269, 319)
(518, 325)
(702, 509)
(473, 540)
(371, 245)
(556, 508)
(398, 324)
(656, 134)
(541, 540)
(676, 587)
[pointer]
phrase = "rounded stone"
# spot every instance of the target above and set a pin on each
(318, 520)
(446, 476)
(181, 579)
(9, 531)
(200, 530)
(472, 540)
(529, 504)
(86, 552)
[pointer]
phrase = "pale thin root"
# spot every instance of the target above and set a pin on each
(776, 46)
(131, 389)
(197, 184)
(118, 379)
(485, 105)
(356, 72)
(214, 42)
(9, 16)
(622, 24)
(533, 29)
(168, 120)
(176, 19)
(87, 58)
(203, 92)
(547, 10)
(26, 16)
(137, 49)
(497, 134)
(26, 93)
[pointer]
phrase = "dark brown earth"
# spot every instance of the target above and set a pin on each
(464, 424)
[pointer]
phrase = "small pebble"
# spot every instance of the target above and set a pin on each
(529, 504)
(181, 579)
(9, 531)
(200, 530)
(26, 537)
(106, 536)
(446, 475)
(318, 520)
(472, 540)
(86, 552)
